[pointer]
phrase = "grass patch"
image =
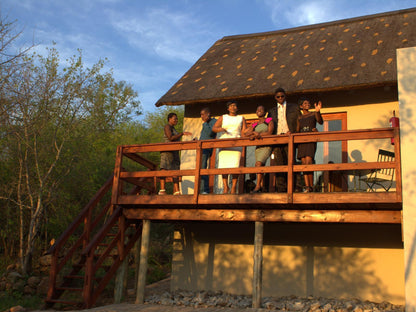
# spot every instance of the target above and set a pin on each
(10, 299)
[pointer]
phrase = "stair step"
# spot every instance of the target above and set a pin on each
(69, 288)
(62, 301)
(74, 276)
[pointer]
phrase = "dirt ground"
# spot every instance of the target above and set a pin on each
(157, 288)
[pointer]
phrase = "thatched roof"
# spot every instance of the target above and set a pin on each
(344, 54)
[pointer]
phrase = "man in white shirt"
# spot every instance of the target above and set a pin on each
(285, 116)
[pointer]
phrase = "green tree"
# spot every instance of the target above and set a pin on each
(51, 109)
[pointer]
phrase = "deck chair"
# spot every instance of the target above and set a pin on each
(381, 177)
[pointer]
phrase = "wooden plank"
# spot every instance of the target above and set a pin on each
(117, 184)
(327, 136)
(197, 173)
(290, 177)
(149, 185)
(220, 199)
(397, 156)
(325, 216)
(243, 170)
(141, 160)
(345, 166)
(360, 134)
(347, 198)
(265, 199)
(161, 173)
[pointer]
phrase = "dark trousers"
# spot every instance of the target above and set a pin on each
(206, 155)
(279, 153)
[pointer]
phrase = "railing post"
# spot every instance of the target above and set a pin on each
(198, 163)
(87, 228)
(397, 157)
(122, 229)
(241, 177)
(290, 157)
(212, 165)
(53, 274)
(117, 184)
(88, 281)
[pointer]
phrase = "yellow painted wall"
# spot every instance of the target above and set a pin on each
(344, 261)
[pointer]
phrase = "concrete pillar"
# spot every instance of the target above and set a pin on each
(406, 76)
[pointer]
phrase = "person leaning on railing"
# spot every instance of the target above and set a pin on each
(264, 126)
(170, 160)
(206, 134)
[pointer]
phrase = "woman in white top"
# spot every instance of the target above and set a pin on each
(230, 125)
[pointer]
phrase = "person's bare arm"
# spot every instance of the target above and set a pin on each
(171, 137)
(218, 126)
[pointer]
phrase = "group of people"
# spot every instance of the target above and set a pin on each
(283, 118)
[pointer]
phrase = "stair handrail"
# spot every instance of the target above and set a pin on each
(61, 241)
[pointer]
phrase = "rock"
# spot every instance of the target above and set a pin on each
(45, 260)
(17, 309)
(290, 303)
(315, 306)
(13, 276)
(11, 267)
(19, 285)
(33, 281)
(43, 286)
(27, 290)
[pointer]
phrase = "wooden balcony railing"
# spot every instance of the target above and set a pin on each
(130, 157)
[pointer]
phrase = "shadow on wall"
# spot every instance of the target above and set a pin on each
(407, 93)
(324, 265)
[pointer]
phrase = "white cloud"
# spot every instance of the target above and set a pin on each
(171, 35)
(288, 13)
(294, 13)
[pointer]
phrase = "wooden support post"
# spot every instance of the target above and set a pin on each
(121, 281)
(258, 264)
(144, 252)
(136, 252)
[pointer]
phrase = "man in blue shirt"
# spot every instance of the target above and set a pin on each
(206, 134)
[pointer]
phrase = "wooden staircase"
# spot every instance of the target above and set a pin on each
(87, 255)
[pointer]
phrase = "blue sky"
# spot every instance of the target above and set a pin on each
(152, 43)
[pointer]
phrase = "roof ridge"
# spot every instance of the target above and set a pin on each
(312, 26)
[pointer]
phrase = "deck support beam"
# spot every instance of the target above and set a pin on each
(267, 215)
(144, 253)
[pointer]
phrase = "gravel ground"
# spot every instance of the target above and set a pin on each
(158, 298)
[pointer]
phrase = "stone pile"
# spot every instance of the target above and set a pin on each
(14, 280)
(288, 303)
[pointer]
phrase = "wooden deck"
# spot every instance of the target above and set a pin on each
(344, 207)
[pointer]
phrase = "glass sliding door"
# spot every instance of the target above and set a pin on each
(331, 152)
